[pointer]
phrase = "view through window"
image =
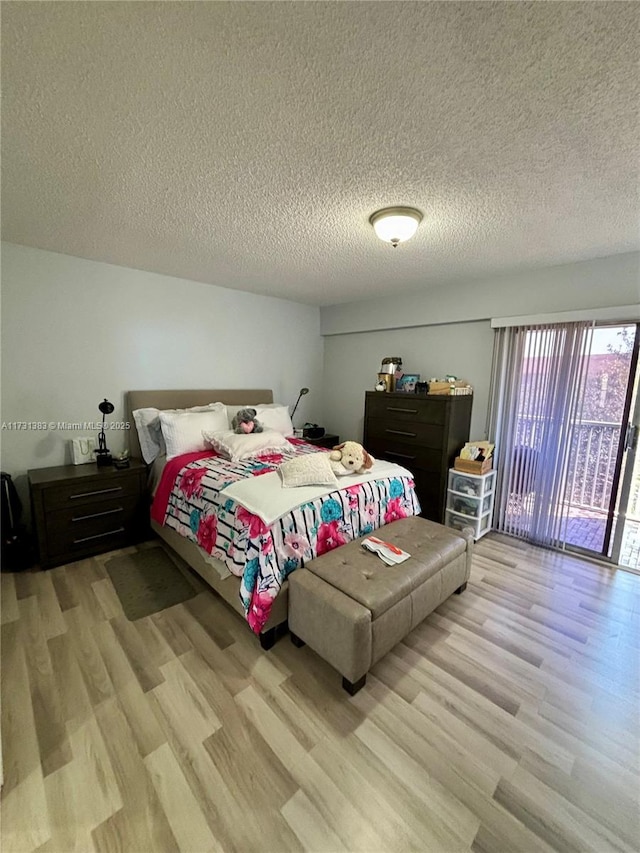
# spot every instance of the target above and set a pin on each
(599, 424)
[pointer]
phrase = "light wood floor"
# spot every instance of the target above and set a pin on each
(507, 721)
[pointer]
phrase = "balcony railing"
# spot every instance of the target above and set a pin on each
(593, 458)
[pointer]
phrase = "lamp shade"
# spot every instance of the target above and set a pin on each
(395, 224)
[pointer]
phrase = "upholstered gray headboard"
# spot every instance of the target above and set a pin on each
(183, 399)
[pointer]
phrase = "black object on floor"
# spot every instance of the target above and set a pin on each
(17, 548)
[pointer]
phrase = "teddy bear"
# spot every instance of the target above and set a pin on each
(350, 458)
(244, 421)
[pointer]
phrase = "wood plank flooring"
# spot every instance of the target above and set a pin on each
(507, 721)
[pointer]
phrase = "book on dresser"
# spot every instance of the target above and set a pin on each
(424, 433)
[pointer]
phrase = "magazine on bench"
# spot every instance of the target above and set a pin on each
(388, 553)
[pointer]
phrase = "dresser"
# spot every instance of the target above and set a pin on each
(421, 432)
(81, 510)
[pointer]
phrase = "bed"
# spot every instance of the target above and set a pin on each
(259, 553)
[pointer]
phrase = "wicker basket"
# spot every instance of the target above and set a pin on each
(457, 388)
(440, 388)
(470, 466)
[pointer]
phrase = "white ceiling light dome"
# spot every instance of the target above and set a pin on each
(395, 224)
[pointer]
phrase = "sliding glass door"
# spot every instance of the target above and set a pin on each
(594, 506)
(625, 537)
(562, 405)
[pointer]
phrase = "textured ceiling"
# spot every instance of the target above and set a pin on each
(246, 144)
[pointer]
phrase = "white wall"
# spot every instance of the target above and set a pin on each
(76, 331)
(448, 330)
(351, 364)
(598, 283)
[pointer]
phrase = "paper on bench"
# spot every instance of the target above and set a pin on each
(388, 553)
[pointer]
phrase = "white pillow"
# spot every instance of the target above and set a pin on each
(182, 431)
(275, 417)
(150, 436)
(235, 446)
(313, 469)
(148, 443)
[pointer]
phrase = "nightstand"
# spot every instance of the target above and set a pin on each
(329, 440)
(80, 510)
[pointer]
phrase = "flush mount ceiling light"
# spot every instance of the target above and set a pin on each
(395, 224)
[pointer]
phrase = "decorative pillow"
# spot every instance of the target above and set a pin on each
(313, 469)
(150, 436)
(182, 431)
(275, 417)
(236, 446)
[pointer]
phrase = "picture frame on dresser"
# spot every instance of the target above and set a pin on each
(407, 383)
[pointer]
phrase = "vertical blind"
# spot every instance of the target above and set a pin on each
(537, 388)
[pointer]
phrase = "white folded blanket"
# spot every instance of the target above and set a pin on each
(266, 497)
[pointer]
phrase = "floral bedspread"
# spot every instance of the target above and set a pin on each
(263, 556)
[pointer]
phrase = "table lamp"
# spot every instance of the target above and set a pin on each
(103, 456)
(303, 391)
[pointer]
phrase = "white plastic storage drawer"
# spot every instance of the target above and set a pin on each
(480, 526)
(468, 505)
(474, 485)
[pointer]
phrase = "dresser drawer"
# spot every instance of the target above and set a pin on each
(397, 409)
(408, 432)
(82, 493)
(411, 456)
(86, 526)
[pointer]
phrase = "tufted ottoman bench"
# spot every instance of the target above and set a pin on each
(351, 608)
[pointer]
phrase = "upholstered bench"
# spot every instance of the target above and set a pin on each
(351, 608)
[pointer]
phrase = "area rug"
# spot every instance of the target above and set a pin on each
(148, 581)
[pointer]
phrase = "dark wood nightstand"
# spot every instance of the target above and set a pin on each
(80, 510)
(329, 439)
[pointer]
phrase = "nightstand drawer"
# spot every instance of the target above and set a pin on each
(407, 432)
(88, 525)
(83, 493)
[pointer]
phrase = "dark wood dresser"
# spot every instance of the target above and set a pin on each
(421, 432)
(80, 510)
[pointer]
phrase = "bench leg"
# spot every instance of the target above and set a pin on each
(352, 687)
(297, 642)
(461, 589)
